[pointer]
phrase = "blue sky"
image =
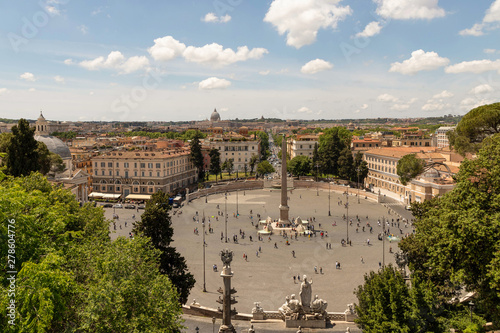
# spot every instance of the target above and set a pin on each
(289, 59)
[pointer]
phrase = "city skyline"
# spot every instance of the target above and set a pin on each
(323, 59)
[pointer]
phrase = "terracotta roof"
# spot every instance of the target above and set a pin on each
(145, 154)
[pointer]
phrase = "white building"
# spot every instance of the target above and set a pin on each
(240, 151)
(442, 138)
(302, 145)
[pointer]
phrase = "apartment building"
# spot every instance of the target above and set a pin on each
(141, 172)
(302, 145)
(240, 151)
(442, 138)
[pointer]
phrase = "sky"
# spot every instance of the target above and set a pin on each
(290, 59)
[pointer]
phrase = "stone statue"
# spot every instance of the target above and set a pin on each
(285, 308)
(226, 256)
(294, 304)
(305, 294)
(258, 308)
(350, 309)
(319, 305)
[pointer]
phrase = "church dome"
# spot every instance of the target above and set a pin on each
(54, 145)
(215, 116)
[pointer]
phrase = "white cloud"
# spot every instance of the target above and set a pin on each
(304, 109)
(59, 79)
(216, 55)
(364, 107)
(166, 48)
(116, 60)
(471, 103)
(419, 61)
(443, 94)
(301, 19)
(409, 9)
(387, 98)
(52, 10)
(400, 107)
(371, 29)
(3, 91)
(68, 62)
(315, 66)
(482, 89)
(265, 72)
(474, 66)
(28, 77)
(212, 18)
(83, 29)
(476, 30)
(489, 51)
(31, 89)
(493, 13)
(413, 100)
(214, 83)
(491, 17)
(436, 106)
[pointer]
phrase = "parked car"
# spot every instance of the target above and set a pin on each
(129, 206)
(107, 205)
(118, 206)
(141, 206)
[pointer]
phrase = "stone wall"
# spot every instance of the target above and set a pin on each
(228, 186)
(335, 188)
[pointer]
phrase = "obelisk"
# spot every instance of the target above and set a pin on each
(284, 198)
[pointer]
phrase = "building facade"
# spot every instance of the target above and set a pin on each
(383, 178)
(302, 145)
(442, 138)
(140, 172)
(240, 151)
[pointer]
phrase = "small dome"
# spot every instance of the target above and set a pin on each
(215, 116)
(54, 145)
(41, 118)
(431, 173)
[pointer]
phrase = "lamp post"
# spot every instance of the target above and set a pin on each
(471, 306)
(347, 217)
(329, 213)
(225, 216)
(317, 174)
(213, 324)
(203, 224)
(357, 170)
(237, 212)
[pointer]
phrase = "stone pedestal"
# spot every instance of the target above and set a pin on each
(313, 323)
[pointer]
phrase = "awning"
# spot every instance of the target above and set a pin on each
(111, 196)
(138, 197)
(96, 195)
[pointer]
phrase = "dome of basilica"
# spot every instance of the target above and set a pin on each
(54, 145)
(215, 116)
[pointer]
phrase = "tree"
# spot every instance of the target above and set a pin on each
(300, 165)
(387, 304)
(315, 157)
(409, 166)
(156, 224)
(196, 154)
(456, 245)
(245, 168)
(264, 167)
(360, 167)
(474, 127)
(346, 164)
(264, 144)
(333, 141)
(215, 167)
(49, 162)
(22, 155)
(228, 166)
(253, 161)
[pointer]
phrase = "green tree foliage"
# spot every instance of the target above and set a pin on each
(65, 135)
(360, 168)
(300, 165)
(346, 164)
(228, 166)
(22, 154)
(196, 155)
(192, 134)
(277, 139)
(253, 162)
(409, 166)
(457, 239)
(215, 167)
(387, 304)
(4, 141)
(475, 126)
(333, 141)
(264, 144)
(156, 224)
(315, 157)
(264, 167)
(71, 277)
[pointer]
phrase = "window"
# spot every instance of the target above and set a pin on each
(110, 188)
(135, 165)
(117, 164)
(110, 164)
(158, 165)
(125, 164)
(143, 165)
(150, 165)
(96, 172)
(117, 173)
(96, 187)
(142, 173)
(95, 164)
(150, 189)
(103, 172)
(111, 172)
(126, 174)
(150, 174)
(135, 173)
(103, 164)
(118, 189)
(157, 173)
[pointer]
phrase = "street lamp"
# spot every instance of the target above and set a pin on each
(237, 212)
(357, 170)
(225, 215)
(329, 213)
(317, 174)
(347, 217)
(471, 306)
(203, 224)
(213, 324)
